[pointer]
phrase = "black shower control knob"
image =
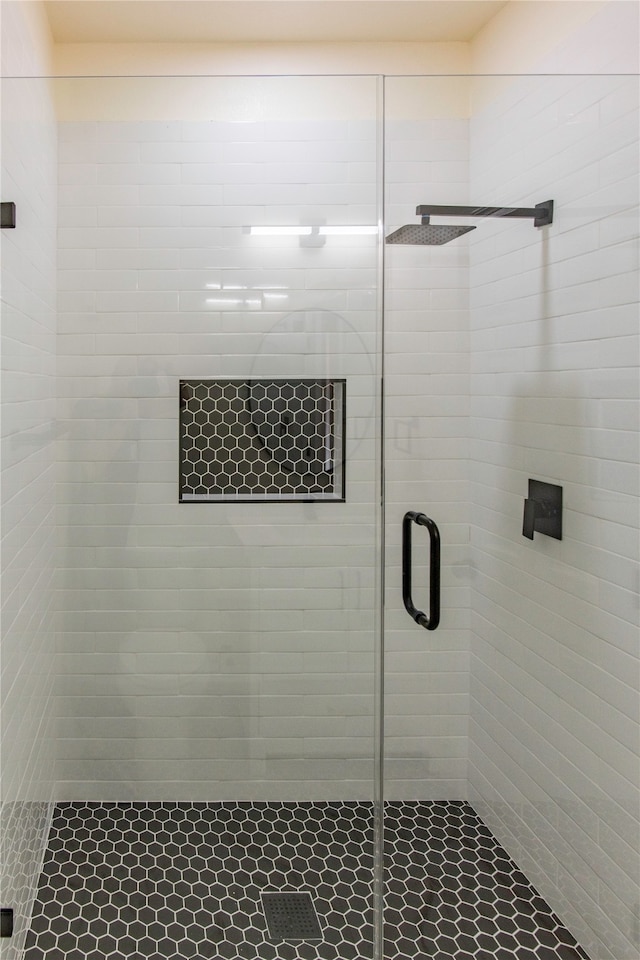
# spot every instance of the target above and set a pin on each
(543, 510)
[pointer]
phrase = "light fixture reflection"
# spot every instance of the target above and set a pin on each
(342, 230)
(234, 301)
(348, 231)
(280, 231)
(230, 296)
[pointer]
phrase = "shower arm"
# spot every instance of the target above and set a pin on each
(541, 214)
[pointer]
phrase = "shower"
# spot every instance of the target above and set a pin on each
(279, 466)
(430, 234)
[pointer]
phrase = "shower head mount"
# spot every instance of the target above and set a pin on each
(430, 234)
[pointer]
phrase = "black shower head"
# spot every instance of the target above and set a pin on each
(426, 234)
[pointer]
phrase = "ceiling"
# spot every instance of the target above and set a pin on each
(297, 21)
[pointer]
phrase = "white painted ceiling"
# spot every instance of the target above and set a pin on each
(299, 21)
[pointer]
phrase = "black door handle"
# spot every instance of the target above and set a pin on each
(432, 621)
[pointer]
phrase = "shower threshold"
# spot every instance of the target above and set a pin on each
(187, 881)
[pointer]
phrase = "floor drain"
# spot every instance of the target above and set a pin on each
(291, 916)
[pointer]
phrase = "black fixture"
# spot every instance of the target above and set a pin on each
(541, 214)
(432, 621)
(6, 918)
(7, 214)
(430, 234)
(427, 234)
(543, 510)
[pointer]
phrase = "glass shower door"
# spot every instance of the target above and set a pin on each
(220, 497)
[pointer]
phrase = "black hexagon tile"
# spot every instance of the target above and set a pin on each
(453, 893)
(145, 881)
(262, 440)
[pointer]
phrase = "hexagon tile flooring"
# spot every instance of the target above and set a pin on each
(178, 881)
(453, 893)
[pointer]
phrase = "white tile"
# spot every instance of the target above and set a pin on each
(555, 663)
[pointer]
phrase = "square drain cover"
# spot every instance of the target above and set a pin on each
(291, 916)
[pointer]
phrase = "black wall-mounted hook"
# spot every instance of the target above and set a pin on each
(7, 214)
(543, 510)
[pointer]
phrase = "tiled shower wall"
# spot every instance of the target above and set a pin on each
(554, 675)
(210, 650)
(28, 461)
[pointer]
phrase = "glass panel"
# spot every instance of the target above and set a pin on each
(217, 659)
(27, 487)
(511, 354)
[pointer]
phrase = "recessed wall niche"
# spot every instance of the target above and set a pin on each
(262, 440)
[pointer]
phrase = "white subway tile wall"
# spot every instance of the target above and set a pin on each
(28, 464)
(426, 446)
(553, 764)
(212, 651)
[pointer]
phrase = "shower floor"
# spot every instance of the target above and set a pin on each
(178, 881)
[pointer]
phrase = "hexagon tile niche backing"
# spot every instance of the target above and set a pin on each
(262, 440)
(186, 881)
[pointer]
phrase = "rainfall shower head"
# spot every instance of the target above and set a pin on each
(431, 234)
(426, 234)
